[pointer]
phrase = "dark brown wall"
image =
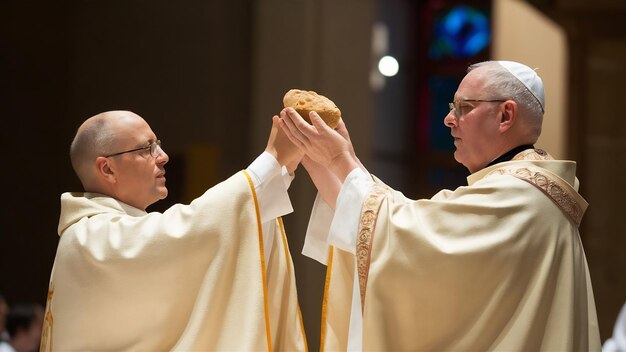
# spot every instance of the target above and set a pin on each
(184, 66)
(34, 52)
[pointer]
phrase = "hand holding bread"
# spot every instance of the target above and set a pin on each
(286, 153)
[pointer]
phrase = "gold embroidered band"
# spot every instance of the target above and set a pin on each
(562, 195)
(365, 237)
(533, 154)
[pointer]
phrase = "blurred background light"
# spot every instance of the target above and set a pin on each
(388, 66)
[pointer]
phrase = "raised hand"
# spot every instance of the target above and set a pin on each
(279, 145)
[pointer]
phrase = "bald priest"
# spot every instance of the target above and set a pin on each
(215, 274)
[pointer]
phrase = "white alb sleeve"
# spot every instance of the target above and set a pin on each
(338, 228)
(345, 224)
(316, 238)
(270, 183)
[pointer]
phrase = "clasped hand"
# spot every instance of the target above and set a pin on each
(280, 146)
(329, 148)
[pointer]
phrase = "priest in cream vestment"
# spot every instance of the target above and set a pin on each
(497, 265)
(213, 275)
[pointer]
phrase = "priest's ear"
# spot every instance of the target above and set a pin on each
(508, 115)
(105, 170)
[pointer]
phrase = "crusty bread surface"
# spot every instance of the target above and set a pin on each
(306, 101)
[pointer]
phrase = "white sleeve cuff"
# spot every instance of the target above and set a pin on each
(316, 238)
(345, 224)
(287, 178)
(263, 168)
(271, 190)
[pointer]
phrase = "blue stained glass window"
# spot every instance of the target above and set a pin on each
(460, 33)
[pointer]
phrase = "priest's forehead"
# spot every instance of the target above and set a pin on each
(473, 86)
(130, 129)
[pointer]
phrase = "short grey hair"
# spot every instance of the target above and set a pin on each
(504, 85)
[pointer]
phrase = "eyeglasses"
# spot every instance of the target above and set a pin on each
(457, 111)
(154, 147)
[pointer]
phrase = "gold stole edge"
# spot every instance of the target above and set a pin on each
(262, 258)
(329, 269)
(289, 269)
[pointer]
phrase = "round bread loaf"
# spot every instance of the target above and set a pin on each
(306, 101)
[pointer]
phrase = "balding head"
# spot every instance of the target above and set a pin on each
(96, 137)
(116, 153)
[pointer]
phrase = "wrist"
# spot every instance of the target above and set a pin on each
(292, 166)
(272, 151)
(342, 165)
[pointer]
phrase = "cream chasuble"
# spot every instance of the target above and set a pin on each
(497, 265)
(193, 278)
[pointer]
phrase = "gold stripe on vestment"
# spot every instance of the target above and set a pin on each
(262, 258)
(289, 269)
(329, 269)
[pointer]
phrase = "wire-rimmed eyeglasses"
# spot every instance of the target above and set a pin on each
(154, 149)
(457, 111)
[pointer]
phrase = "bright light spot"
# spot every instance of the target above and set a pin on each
(388, 66)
